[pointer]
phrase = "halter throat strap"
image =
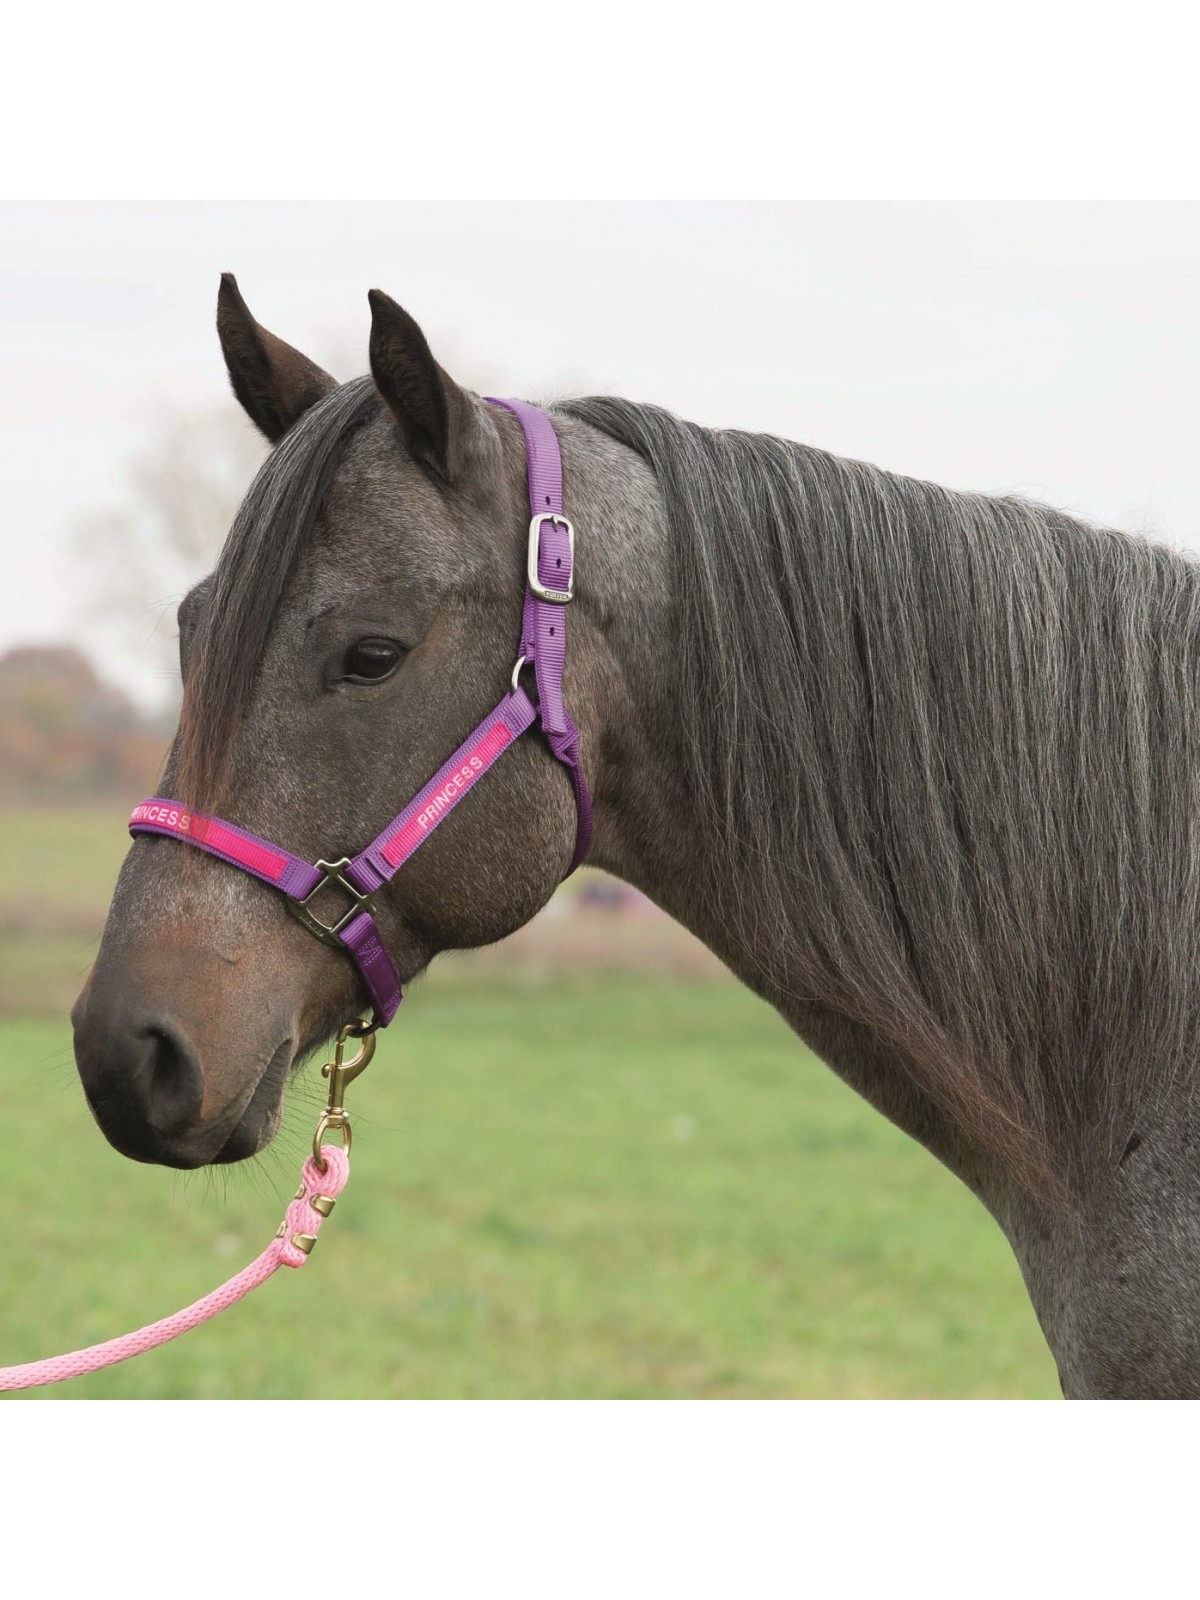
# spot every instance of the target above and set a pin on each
(549, 588)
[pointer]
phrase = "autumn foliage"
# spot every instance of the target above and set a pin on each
(67, 736)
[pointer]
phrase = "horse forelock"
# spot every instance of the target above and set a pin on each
(274, 526)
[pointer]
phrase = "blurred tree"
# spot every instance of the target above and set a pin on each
(67, 735)
(140, 556)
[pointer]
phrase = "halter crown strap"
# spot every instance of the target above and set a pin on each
(543, 621)
(549, 588)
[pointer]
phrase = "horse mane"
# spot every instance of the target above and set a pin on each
(273, 527)
(950, 746)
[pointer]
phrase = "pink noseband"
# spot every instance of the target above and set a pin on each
(548, 590)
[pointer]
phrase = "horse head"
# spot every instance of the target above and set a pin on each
(364, 614)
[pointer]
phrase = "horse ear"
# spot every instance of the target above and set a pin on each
(275, 384)
(436, 417)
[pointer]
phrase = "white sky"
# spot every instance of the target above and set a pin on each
(1049, 349)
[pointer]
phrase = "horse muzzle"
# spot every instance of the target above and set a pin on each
(185, 1087)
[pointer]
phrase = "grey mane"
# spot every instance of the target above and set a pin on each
(952, 744)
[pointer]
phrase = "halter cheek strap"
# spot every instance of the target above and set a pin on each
(548, 590)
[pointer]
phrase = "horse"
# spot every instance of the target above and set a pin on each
(921, 767)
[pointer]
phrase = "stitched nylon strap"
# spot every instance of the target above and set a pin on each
(270, 862)
(544, 646)
(406, 833)
(544, 624)
(382, 858)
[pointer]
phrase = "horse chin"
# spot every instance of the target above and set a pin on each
(249, 1137)
(260, 1121)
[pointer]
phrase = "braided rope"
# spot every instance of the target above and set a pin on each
(301, 1219)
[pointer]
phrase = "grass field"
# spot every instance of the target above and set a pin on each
(57, 870)
(607, 1185)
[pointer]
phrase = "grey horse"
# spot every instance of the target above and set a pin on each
(923, 768)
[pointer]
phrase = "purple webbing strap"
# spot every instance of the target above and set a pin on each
(283, 871)
(372, 958)
(543, 644)
(406, 833)
(544, 623)
(270, 862)
(375, 865)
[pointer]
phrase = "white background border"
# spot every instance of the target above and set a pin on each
(620, 101)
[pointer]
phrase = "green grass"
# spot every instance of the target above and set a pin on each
(598, 1187)
(57, 870)
(62, 856)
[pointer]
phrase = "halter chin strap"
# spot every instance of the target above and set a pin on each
(549, 588)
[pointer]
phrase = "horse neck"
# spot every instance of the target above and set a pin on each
(648, 829)
(650, 832)
(1109, 1284)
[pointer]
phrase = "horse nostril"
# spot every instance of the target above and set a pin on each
(176, 1085)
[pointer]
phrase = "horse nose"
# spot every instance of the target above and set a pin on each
(176, 1084)
(143, 1082)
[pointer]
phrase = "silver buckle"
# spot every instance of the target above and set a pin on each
(556, 597)
(331, 872)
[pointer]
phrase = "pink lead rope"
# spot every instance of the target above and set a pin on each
(302, 1221)
(323, 1178)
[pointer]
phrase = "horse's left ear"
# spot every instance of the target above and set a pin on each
(275, 384)
(436, 417)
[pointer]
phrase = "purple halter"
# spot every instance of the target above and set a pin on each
(549, 588)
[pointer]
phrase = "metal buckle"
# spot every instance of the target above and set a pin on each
(331, 872)
(556, 597)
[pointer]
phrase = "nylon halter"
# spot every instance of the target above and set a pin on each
(549, 588)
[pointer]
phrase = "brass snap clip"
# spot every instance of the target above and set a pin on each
(340, 1073)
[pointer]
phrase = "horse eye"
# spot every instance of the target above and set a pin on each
(371, 660)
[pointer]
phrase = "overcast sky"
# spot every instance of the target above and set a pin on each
(1051, 350)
